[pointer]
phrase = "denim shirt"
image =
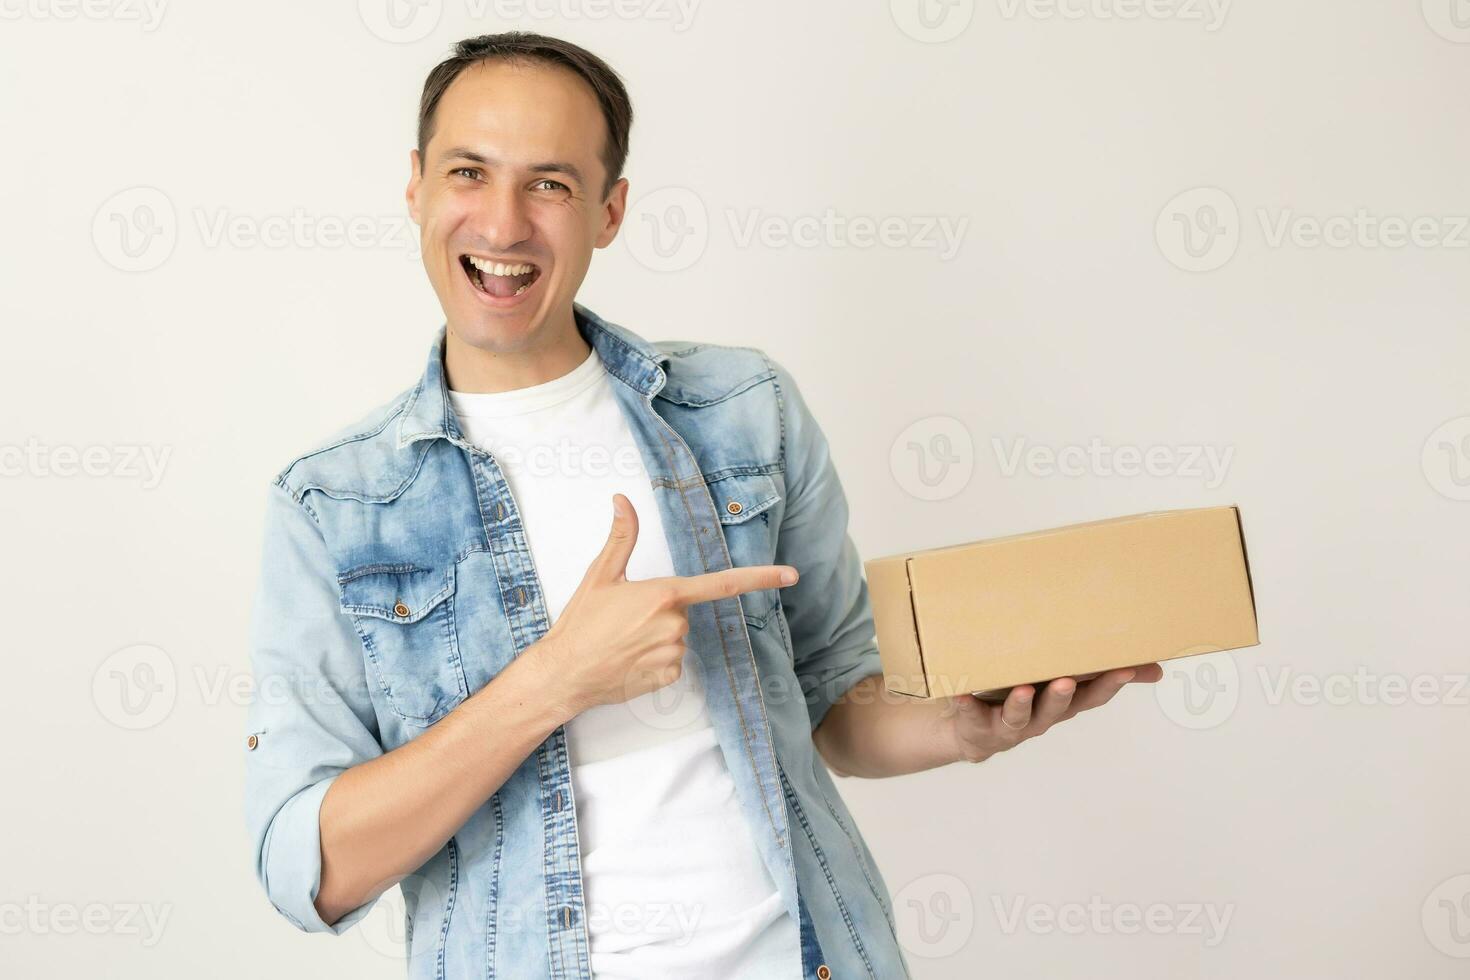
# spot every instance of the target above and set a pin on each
(397, 581)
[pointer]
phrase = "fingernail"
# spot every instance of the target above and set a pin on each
(788, 577)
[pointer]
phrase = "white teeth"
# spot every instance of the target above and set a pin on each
(489, 268)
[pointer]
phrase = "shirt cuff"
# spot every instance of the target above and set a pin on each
(821, 697)
(293, 863)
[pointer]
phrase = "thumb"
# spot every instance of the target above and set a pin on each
(612, 562)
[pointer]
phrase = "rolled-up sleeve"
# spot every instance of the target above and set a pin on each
(827, 610)
(310, 717)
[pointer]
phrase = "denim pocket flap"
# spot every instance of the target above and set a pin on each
(739, 498)
(400, 592)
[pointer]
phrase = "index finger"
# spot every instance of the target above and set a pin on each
(730, 582)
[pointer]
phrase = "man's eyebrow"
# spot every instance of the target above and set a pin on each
(558, 167)
(548, 167)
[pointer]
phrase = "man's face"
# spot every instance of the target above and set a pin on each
(509, 203)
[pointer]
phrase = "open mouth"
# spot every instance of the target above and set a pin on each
(499, 279)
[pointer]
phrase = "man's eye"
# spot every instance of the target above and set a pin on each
(549, 184)
(470, 172)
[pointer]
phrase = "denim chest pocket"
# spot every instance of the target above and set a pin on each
(745, 505)
(404, 613)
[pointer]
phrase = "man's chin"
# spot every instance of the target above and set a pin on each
(497, 332)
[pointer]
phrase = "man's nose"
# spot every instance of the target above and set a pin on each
(502, 218)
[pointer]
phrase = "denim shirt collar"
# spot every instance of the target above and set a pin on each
(625, 355)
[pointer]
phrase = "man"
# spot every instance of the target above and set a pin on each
(566, 638)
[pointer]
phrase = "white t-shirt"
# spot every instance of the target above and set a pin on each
(674, 885)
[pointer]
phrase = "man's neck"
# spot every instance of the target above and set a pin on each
(474, 369)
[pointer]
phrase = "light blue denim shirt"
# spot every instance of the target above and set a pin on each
(397, 581)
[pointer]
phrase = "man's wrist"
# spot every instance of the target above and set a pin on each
(539, 671)
(949, 720)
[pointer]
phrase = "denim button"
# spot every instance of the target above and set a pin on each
(823, 973)
(252, 742)
(734, 507)
(399, 609)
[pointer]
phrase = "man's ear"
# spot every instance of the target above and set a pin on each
(415, 181)
(613, 213)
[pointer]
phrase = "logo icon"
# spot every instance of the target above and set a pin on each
(135, 230)
(671, 707)
(1199, 230)
(1446, 917)
(935, 915)
(668, 229)
(932, 21)
(934, 458)
(400, 21)
(1446, 458)
(388, 927)
(136, 687)
(1450, 19)
(1200, 692)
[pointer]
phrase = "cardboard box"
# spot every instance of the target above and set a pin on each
(1069, 602)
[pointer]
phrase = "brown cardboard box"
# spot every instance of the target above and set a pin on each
(1068, 602)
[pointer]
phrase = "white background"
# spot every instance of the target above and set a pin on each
(1298, 791)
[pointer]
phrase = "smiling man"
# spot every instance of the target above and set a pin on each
(567, 638)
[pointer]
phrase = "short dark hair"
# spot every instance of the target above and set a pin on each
(523, 46)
